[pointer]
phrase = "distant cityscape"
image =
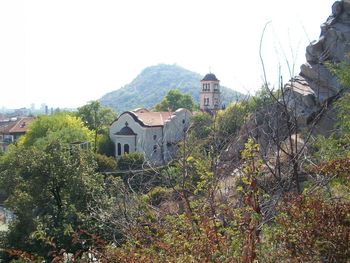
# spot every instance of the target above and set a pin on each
(33, 110)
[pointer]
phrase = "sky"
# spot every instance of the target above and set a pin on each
(68, 52)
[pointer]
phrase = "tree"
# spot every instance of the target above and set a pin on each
(105, 145)
(201, 125)
(97, 118)
(49, 192)
(175, 100)
(229, 121)
(63, 127)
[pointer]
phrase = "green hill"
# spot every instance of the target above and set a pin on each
(153, 83)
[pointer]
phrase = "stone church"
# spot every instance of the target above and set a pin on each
(156, 134)
(153, 133)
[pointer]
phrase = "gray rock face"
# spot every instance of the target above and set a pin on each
(305, 96)
(315, 85)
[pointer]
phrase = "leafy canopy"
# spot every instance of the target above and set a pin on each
(95, 116)
(201, 125)
(229, 121)
(63, 127)
(49, 192)
(175, 100)
(98, 118)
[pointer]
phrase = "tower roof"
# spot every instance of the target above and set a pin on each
(210, 77)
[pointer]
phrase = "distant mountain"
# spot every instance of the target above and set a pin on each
(154, 82)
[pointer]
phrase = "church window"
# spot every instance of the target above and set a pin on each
(126, 148)
(206, 87)
(119, 149)
(154, 137)
(155, 148)
(183, 121)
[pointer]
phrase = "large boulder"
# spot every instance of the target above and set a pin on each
(308, 92)
(307, 96)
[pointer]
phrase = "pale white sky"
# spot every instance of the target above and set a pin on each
(68, 52)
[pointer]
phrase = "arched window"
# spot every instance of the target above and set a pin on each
(119, 149)
(126, 148)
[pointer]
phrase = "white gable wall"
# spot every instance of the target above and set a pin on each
(143, 142)
(157, 143)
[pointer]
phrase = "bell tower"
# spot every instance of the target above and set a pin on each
(210, 93)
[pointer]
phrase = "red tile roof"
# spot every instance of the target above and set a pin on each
(18, 126)
(152, 118)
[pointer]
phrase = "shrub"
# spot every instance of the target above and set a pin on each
(131, 161)
(105, 163)
(159, 194)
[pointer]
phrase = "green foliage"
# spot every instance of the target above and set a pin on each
(330, 148)
(229, 121)
(131, 161)
(342, 107)
(309, 229)
(170, 175)
(61, 127)
(49, 192)
(175, 100)
(250, 213)
(177, 240)
(201, 178)
(190, 212)
(201, 125)
(159, 194)
(153, 83)
(97, 118)
(341, 70)
(105, 145)
(261, 99)
(105, 163)
(337, 173)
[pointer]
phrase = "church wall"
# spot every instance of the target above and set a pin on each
(174, 131)
(145, 141)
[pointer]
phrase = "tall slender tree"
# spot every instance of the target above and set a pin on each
(97, 118)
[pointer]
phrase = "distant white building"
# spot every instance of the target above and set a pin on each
(209, 98)
(154, 134)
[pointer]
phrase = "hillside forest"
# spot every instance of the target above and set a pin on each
(249, 184)
(154, 82)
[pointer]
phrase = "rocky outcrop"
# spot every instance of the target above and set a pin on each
(307, 93)
(307, 96)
